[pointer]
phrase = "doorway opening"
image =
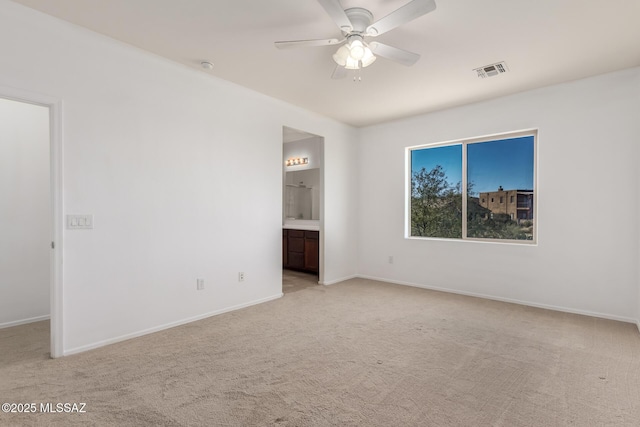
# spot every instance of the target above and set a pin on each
(302, 209)
(30, 230)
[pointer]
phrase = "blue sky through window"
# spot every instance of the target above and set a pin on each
(449, 157)
(491, 164)
(506, 162)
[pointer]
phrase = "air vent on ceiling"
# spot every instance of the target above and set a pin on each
(491, 70)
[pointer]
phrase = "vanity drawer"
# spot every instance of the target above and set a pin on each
(295, 233)
(311, 234)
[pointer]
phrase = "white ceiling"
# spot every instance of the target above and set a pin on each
(543, 42)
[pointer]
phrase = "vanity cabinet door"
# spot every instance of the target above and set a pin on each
(311, 251)
(295, 249)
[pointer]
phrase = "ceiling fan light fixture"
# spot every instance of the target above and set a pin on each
(354, 55)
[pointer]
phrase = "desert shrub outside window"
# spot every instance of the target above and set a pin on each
(479, 189)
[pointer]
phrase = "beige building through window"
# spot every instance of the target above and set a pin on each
(518, 204)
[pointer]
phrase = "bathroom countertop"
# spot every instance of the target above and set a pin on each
(302, 225)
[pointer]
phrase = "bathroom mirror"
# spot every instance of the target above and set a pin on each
(302, 194)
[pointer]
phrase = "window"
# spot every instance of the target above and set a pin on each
(450, 184)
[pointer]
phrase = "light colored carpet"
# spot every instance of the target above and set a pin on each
(294, 281)
(358, 353)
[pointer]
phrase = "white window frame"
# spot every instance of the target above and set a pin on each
(465, 142)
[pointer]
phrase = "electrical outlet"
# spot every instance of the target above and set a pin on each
(241, 276)
(199, 284)
(390, 259)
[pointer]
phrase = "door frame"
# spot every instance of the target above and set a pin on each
(56, 214)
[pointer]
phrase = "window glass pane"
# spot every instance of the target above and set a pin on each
(497, 170)
(436, 193)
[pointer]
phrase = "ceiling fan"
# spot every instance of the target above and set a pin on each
(356, 25)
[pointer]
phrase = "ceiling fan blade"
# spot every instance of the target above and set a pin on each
(393, 53)
(335, 11)
(410, 11)
(339, 72)
(305, 43)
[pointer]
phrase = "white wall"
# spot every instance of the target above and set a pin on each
(151, 149)
(25, 213)
(587, 253)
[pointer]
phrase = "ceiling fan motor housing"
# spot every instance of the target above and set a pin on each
(360, 19)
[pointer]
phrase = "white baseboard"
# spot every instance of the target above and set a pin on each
(333, 282)
(23, 321)
(638, 325)
(510, 300)
(167, 326)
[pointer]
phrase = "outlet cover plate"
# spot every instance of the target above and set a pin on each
(80, 222)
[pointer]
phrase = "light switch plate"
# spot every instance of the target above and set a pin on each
(80, 222)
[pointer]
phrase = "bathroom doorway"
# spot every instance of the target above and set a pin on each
(302, 209)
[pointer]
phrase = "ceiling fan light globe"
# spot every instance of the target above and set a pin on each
(341, 56)
(352, 64)
(357, 50)
(368, 57)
